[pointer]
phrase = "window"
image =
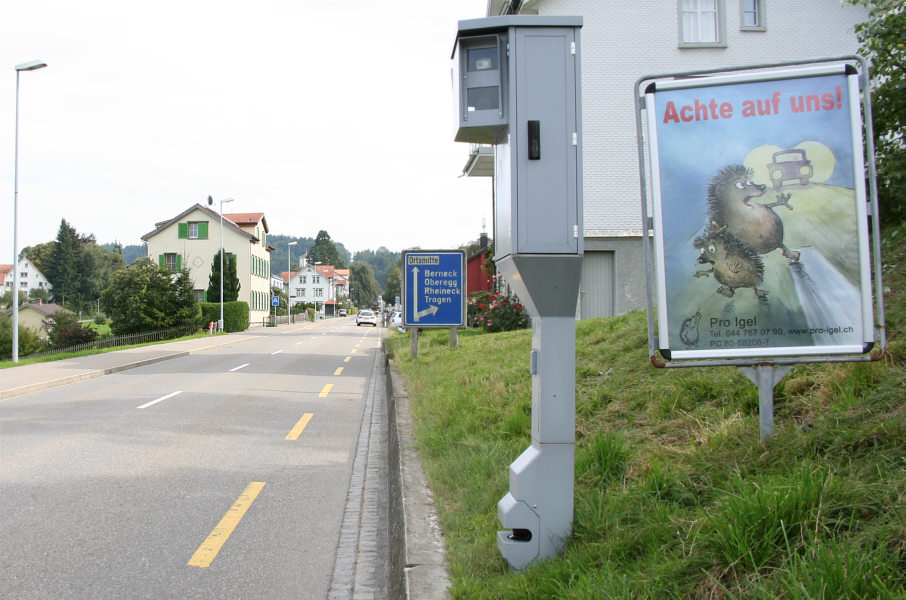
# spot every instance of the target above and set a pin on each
(171, 261)
(316, 279)
(701, 23)
(300, 292)
(23, 274)
(319, 292)
(302, 279)
(200, 295)
(751, 16)
(193, 230)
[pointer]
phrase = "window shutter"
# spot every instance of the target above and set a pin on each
(182, 231)
(179, 262)
(161, 260)
(205, 297)
(203, 230)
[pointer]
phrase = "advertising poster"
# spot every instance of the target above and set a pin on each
(760, 224)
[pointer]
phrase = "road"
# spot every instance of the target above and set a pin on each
(221, 474)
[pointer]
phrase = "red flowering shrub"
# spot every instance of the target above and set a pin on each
(493, 312)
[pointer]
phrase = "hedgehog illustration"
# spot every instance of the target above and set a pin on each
(755, 225)
(733, 264)
(689, 329)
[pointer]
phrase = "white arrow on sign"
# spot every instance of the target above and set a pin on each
(417, 314)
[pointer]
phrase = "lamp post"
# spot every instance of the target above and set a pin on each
(33, 65)
(222, 202)
(289, 276)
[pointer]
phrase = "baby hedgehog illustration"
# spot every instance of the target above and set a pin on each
(689, 329)
(732, 263)
(754, 225)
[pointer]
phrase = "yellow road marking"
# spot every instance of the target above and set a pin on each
(338, 371)
(325, 390)
(359, 344)
(352, 351)
(296, 431)
(347, 359)
(209, 548)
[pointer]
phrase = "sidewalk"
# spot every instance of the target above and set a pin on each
(41, 376)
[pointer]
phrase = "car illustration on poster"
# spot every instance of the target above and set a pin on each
(760, 221)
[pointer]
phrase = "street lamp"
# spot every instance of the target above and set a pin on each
(289, 276)
(33, 65)
(222, 202)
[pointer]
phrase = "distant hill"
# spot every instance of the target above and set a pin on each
(130, 253)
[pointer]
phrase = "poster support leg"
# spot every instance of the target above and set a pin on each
(413, 342)
(766, 377)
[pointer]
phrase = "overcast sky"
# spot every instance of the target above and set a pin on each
(333, 115)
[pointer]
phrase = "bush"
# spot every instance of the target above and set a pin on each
(64, 330)
(235, 315)
(497, 312)
(29, 342)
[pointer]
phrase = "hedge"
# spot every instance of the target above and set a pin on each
(235, 314)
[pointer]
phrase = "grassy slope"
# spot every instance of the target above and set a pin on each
(675, 496)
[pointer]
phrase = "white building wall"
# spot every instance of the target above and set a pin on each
(623, 40)
(30, 278)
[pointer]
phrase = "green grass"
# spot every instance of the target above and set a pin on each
(6, 364)
(675, 496)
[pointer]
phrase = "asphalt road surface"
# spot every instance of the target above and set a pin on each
(222, 474)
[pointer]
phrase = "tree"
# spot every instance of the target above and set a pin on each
(29, 342)
(883, 43)
(325, 252)
(365, 288)
(40, 255)
(231, 283)
(77, 268)
(392, 285)
(96, 268)
(63, 271)
(381, 260)
(146, 297)
(186, 310)
(64, 330)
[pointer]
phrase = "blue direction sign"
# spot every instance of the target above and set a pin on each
(434, 288)
(275, 300)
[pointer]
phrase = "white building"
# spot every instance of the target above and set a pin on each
(320, 284)
(624, 40)
(30, 278)
(192, 239)
(309, 285)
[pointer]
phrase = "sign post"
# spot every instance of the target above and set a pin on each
(434, 291)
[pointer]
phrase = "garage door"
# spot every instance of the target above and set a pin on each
(596, 288)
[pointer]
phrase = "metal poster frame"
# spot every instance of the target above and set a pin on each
(727, 289)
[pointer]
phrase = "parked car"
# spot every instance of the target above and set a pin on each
(342, 312)
(396, 320)
(366, 316)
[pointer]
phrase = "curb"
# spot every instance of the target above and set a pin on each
(425, 566)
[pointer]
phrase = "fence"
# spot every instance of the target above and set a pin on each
(123, 340)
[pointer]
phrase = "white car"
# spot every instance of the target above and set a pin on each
(396, 320)
(366, 316)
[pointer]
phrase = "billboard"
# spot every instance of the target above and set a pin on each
(760, 223)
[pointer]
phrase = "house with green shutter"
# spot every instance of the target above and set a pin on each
(192, 239)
